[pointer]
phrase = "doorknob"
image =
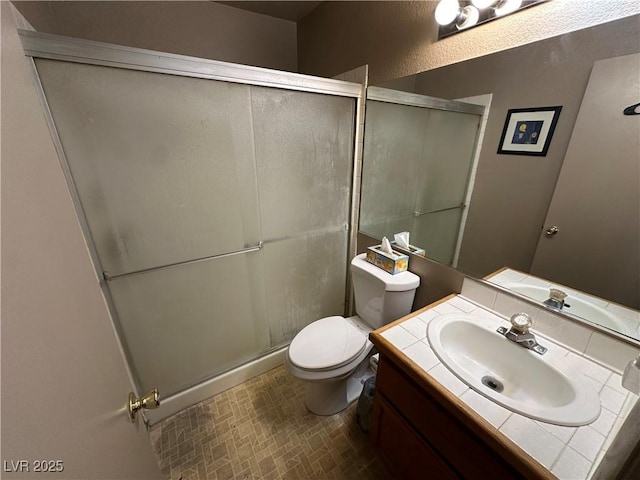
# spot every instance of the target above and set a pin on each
(551, 231)
(150, 401)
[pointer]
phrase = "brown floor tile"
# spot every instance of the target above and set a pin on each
(261, 430)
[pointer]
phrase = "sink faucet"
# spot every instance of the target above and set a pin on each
(520, 334)
(556, 299)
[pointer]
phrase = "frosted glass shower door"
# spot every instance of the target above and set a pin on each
(449, 146)
(151, 155)
(218, 212)
(164, 169)
(393, 155)
(304, 152)
(416, 169)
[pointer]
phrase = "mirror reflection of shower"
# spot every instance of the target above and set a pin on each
(418, 163)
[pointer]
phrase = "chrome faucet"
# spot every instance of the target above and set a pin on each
(556, 299)
(520, 334)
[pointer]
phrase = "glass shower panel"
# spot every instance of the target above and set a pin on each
(438, 234)
(393, 151)
(450, 141)
(308, 282)
(386, 227)
(163, 164)
(304, 154)
(190, 322)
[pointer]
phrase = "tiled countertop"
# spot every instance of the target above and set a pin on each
(568, 452)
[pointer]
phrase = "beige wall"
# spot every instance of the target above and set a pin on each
(199, 29)
(398, 38)
(64, 382)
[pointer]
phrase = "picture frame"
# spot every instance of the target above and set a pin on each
(528, 131)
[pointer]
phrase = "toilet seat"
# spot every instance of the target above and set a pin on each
(326, 344)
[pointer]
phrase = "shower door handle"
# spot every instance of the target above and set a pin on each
(255, 248)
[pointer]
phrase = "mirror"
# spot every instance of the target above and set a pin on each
(586, 186)
(419, 156)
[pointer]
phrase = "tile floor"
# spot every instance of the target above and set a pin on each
(262, 430)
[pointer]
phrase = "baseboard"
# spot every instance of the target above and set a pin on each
(171, 405)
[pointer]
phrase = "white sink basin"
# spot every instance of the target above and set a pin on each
(517, 378)
(575, 306)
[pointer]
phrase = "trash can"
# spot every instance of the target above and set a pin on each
(364, 411)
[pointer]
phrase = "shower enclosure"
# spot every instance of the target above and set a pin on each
(418, 159)
(216, 199)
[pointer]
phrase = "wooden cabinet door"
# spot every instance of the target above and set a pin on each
(408, 455)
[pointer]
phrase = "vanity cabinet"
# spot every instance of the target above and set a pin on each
(421, 430)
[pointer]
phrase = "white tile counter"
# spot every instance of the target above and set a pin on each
(573, 453)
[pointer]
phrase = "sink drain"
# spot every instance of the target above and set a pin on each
(492, 383)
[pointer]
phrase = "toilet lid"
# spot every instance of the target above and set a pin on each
(326, 343)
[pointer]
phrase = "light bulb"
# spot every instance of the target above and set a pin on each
(507, 6)
(471, 16)
(447, 11)
(483, 3)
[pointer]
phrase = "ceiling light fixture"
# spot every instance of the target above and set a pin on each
(447, 12)
(453, 16)
(469, 17)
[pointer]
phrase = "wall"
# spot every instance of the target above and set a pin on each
(512, 193)
(398, 38)
(64, 382)
(200, 29)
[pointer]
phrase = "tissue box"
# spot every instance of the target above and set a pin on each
(414, 250)
(393, 263)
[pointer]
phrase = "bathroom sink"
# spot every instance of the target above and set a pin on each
(576, 306)
(542, 388)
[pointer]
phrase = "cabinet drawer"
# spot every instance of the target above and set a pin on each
(456, 444)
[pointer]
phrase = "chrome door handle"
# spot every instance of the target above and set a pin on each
(551, 231)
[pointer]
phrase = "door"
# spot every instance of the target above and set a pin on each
(596, 204)
(64, 382)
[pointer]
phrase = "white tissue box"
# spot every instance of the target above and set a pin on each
(394, 262)
(412, 249)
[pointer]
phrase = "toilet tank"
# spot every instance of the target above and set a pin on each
(380, 296)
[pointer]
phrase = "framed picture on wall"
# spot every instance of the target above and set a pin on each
(528, 131)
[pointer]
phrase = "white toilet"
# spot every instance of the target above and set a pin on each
(332, 354)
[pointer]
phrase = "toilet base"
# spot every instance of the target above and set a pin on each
(333, 396)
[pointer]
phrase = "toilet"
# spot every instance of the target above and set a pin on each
(332, 354)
